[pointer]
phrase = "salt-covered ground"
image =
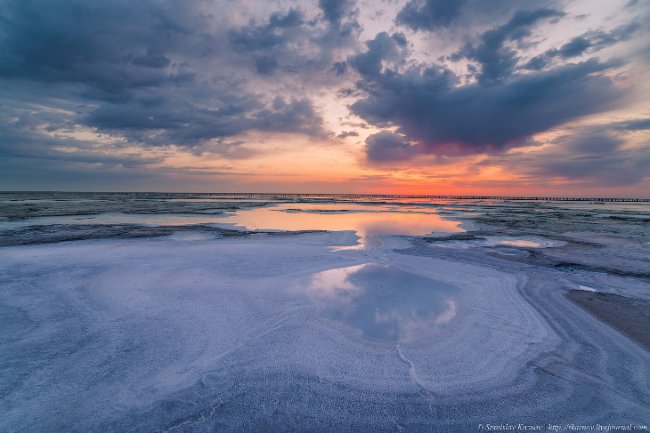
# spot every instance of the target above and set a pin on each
(420, 327)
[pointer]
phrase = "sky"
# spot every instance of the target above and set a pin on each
(515, 97)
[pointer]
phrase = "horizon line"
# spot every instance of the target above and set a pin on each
(357, 195)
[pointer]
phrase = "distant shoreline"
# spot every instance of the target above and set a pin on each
(343, 196)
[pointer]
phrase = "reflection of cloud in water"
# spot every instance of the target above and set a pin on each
(384, 303)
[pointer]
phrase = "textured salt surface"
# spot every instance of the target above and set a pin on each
(201, 332)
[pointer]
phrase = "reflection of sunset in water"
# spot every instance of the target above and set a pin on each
(367, 221)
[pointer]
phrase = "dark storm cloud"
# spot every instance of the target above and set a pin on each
(21, 141)
(589, 42)
(266, 65)
(152, 59)
(336, 10)
(170, 122)
(343, 27)
(501, 108)
(388, 147)
(430, 15)
(496, 60)
(296, 115)
(288, 42)
(595, 155)
(436, 15)
(346, 134)
(428, 107)
(188, 122)
(277, 31)
(113, 46)
(200, 74)
(271, 46)
(575, 47)
(340, 67)
(632, 125)
(157, 72)
(383, 47)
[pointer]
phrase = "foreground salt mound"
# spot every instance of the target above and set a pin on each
(245, 334)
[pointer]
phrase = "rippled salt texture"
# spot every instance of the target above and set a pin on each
(189, 330)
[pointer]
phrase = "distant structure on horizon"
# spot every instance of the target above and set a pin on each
(341, 196)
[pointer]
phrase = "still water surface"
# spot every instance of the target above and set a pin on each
(367, 220)
(384, 303)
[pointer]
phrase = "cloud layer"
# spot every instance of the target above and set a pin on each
(124, 86)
